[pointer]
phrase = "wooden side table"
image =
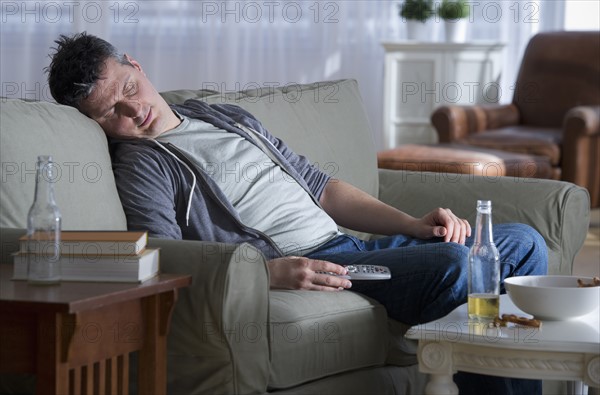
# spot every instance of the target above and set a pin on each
(76, 337)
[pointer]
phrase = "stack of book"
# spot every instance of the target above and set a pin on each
(113, 256)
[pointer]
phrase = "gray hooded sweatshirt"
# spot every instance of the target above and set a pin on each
(163, 193)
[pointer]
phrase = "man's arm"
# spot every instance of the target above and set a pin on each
(355, 209)
(352, 208)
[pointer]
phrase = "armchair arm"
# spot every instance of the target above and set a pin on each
(582, 120)
(560, 211)
(457, 122)
(581, 144)
(219, 335)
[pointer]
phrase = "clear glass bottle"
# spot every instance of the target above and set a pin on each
(43, 227)
(484, 268)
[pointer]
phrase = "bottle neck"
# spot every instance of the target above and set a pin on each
(44, 183)
(483, 227)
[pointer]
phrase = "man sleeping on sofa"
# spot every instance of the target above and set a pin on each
(172, 165)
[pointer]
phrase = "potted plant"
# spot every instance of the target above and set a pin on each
(417, 13)
(455, 14)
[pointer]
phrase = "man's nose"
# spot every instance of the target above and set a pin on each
(130, 108)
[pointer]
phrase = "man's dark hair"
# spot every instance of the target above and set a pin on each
(76, 66)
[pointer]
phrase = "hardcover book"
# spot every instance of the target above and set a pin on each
(91, 243)
(86, 267)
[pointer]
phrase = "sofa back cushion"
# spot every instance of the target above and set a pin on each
(324, 121)
(85, 190)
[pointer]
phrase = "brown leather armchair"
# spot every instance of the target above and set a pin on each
(555, 110)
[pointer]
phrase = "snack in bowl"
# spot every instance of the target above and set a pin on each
(553, 297)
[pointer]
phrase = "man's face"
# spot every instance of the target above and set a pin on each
(126, 105)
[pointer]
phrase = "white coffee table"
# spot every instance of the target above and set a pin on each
(560, 350)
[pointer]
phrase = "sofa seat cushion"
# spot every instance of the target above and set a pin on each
(317, 334)
(521, 139)
(85, 189)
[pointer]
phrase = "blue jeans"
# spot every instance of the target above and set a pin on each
(429, 279)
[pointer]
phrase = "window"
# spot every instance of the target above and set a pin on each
(582, 15)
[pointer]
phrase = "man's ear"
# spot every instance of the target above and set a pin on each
(134, 63)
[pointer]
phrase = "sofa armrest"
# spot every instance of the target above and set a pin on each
(560, 211)
(454, 123)
(9, 243)
(219, 337)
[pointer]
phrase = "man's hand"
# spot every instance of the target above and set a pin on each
(442, 222)
(301, 273)
(354, 209)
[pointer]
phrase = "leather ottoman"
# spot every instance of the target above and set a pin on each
(464, 159)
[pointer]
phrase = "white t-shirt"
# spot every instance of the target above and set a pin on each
(264, 195)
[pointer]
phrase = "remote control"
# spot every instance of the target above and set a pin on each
(365, 272)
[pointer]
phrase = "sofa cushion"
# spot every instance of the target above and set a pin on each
(317, 334)
(325, 121)
(86, 193)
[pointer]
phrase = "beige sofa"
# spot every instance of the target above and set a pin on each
(230, 334)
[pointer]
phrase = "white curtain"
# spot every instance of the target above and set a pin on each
(232, 45)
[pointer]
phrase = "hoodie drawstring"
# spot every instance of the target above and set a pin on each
(189, 204)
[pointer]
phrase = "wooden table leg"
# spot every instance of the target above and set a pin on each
(157, 311)
(53, 333)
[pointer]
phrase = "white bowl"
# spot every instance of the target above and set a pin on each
(552, 297)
